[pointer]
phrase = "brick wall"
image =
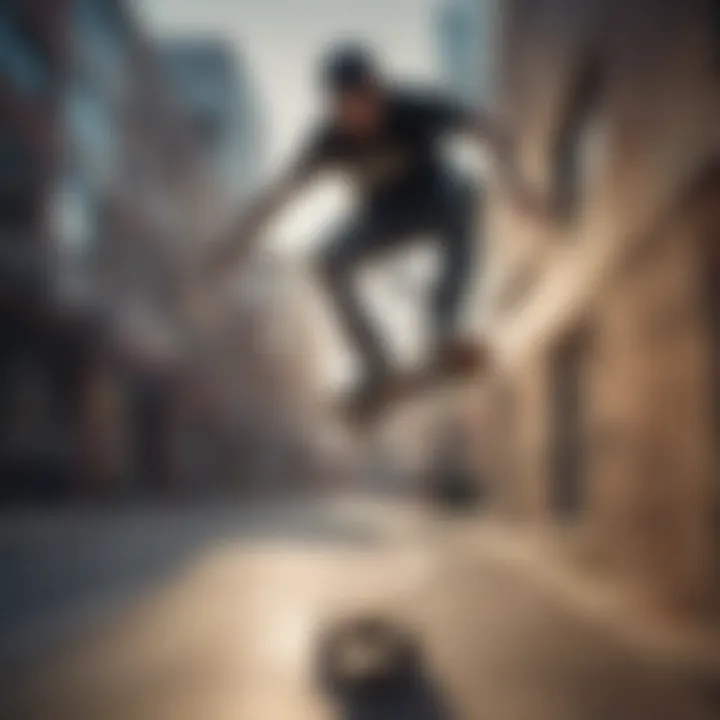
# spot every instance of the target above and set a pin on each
(615, 109)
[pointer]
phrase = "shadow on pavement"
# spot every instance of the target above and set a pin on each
(60, 570)
(374, 670)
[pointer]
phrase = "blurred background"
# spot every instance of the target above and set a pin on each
(181, 510)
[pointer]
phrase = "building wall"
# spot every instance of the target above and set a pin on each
(597, 319)
(101, 208)
(651, 486)
(39, 348)
(30, 71)
(217, 91)
(115, 224)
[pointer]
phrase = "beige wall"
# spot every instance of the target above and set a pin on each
(626, 266)
(651, 414)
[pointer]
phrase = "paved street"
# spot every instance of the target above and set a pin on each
(215, 614)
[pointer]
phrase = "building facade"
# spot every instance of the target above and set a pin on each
(466, 32)
(123, 234)
(604, 319)
(217, 92)
(41, 346)
(104, 204)
(255, 348)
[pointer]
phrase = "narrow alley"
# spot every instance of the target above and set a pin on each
(232, 630)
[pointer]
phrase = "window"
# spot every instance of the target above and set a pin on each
(576, 139)
(19, 180)
(23, 61)
(73, 212)
(715, 20)
(465, 31)
(91, 133)
(568, 460)
(99, 45)
(73, 227)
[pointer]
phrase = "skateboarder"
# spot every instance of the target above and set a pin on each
(385, 139)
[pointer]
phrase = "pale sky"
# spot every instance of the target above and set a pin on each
(280, 41)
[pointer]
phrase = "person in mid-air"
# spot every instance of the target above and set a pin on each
(386, 139)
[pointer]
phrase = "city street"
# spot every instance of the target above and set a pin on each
(487, 274)
(216, 613)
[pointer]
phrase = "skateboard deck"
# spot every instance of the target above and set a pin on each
(464, 363)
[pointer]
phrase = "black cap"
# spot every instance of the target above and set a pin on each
(348, 66)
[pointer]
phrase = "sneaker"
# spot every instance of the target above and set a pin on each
(461, 355)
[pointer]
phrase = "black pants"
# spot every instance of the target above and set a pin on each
(441, 205)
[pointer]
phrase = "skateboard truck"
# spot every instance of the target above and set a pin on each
(459, 360)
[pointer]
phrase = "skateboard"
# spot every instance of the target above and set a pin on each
(463, 362)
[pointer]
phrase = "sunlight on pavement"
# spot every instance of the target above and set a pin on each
(234, 635)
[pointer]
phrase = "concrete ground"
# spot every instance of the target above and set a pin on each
(216, 614)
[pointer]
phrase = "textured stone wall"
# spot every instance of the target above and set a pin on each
(615, 107)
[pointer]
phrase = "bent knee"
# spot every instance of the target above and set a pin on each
(331, 264)
(465, 195)
(458, 199)
(339, 257)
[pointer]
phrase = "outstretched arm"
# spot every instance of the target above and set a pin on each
(500, 141)
(246, 227)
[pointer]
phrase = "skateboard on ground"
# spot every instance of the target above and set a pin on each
(465, 361)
